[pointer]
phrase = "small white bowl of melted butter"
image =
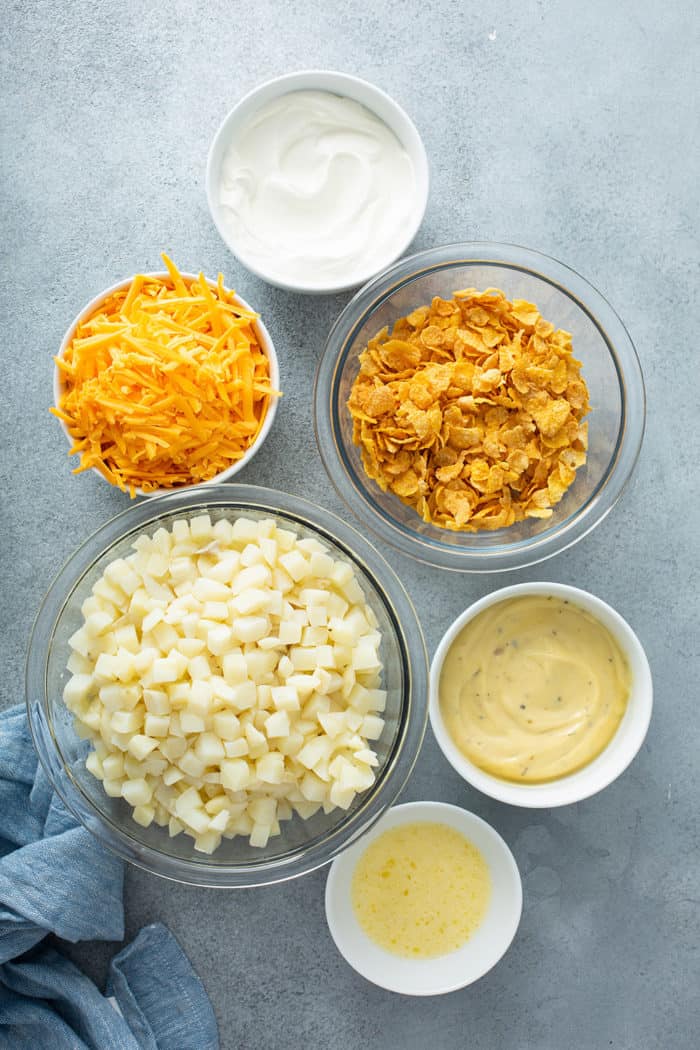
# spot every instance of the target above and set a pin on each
(427, 902)
(317, 181)
(540, 695)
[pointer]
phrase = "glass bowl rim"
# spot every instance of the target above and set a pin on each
(398, 606)
(613, 334)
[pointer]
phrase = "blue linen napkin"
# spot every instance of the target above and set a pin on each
(49, 868)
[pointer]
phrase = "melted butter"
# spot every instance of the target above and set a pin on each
(421, 890)
(533, 689)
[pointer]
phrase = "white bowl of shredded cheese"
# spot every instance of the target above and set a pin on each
(317, 181)
(135, 398)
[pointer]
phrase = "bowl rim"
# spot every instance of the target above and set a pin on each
(338, 83)
(265, 342)
(596, 775)
(456, 817)
(133, 521)
(623, 457)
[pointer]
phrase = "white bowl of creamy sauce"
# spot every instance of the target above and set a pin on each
(427, 902)
(317, 181)
(540, 695)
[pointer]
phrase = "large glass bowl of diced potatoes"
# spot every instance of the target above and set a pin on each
(227, 686)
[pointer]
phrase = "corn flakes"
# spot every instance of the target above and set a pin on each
(471, 411)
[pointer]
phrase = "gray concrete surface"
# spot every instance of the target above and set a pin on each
(567, 127)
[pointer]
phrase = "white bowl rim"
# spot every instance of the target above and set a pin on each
(599, 773)
(462, 820)
(265, 342)
(332, 81)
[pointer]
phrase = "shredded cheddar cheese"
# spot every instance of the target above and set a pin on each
(165, 385)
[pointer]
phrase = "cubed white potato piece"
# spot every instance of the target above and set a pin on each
(191, 647)
(316, 705)
(277, 725)
(318, 617)
(341, 797)
(220, 640)
(256, 741)
(295, 565)
(97, 623)
(244, 530)
(282, 581)
(259, 664)
(137, 792)
(209, 748)
(322, 565)
(191, 722)
(175, 827)
(120, 574)
(254, 577)
(217, 803)
(366, 756)
(201, 529)
(156, 725)
(285, 698)
(235, 668)
(223, 531)
(244, 696)
(112, 788)
(251, 555)
(141, 745)
(289, 632)
(113, 766)
(109, 593)
(219, 823)
(157, 565)
(77, 689)
(226, 568)
(144, 815)
(269, 550)
(155, 765)
(250, 628)
(306, 810)
(236, 748)
(263, 810)
(333, 722)
(235, 773)
(172, 775)
(314, 751)
(303, 659)
(269, 768)
(372, 727)
(174, 747)
(191, 764)
(151, 620)
(199, 668)
(314, 635)
(127, 721)
(285, 667)
(260, 835)
(226, 725)
(215, 611)
(291, 744)
(93, 763)
(78, 664)
(305, 684)
(107, 667)
(252, 600)
(165, 670)
(313, 788)
(200, 696)
(126, 637)
(208, 841)
(157, 701)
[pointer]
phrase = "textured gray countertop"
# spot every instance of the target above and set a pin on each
(570, 128)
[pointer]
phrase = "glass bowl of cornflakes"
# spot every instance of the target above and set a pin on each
(479, 406)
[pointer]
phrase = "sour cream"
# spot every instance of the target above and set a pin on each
(316, 190)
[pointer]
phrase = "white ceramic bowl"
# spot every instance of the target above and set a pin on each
(445, 973)
(375, 100)
(265, 343)
(610, 763)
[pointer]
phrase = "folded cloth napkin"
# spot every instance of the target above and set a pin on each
(50, 868)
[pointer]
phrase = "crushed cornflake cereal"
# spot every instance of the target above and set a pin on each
(470, 411)
(165, 385)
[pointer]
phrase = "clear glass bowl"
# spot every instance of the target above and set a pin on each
(302, 845)
(610, 368)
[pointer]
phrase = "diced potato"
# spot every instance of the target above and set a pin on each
(235, 774)
(270, 768)
(137, 792)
